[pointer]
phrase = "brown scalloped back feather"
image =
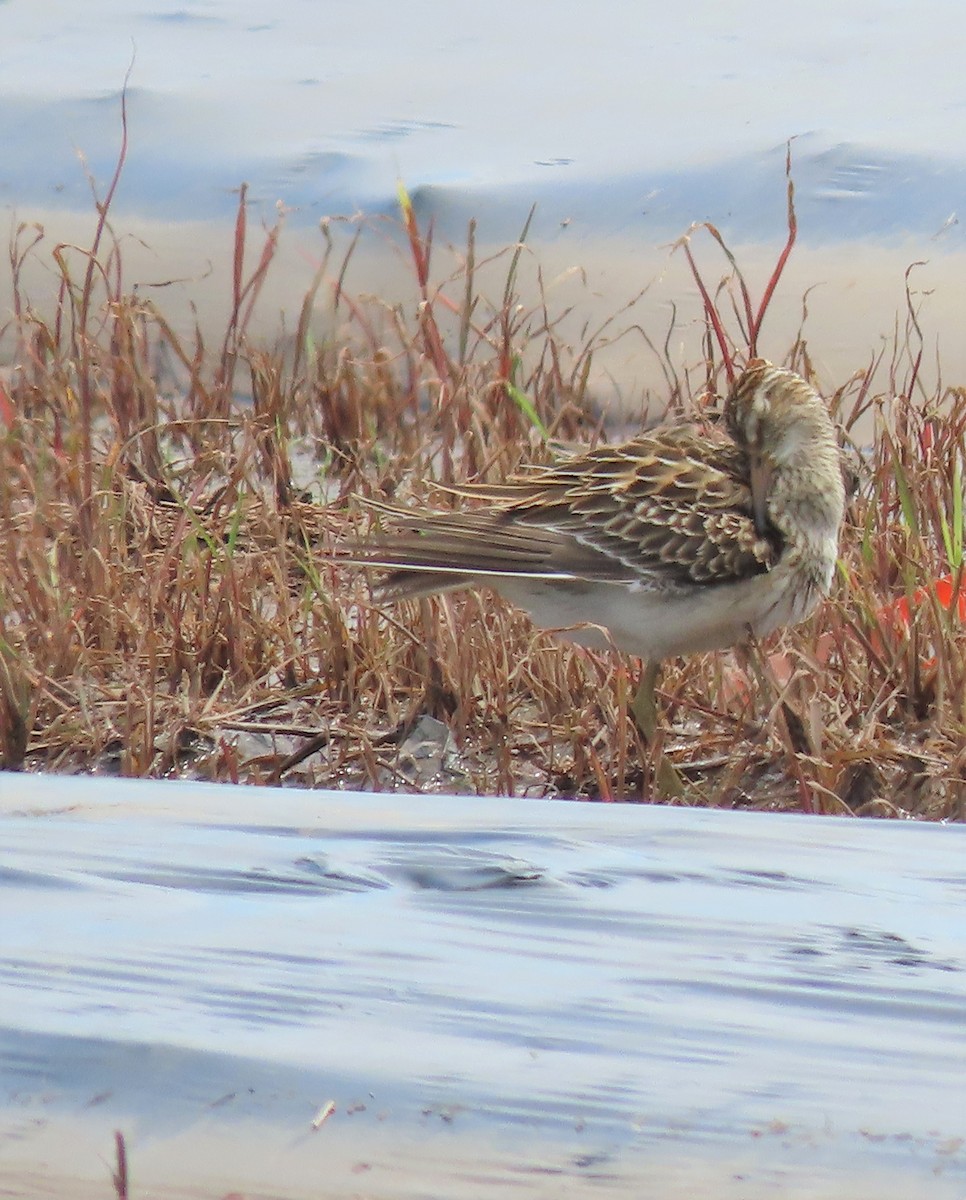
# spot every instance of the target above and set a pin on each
(663, 509)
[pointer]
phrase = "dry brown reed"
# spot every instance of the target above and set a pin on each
(169, 604)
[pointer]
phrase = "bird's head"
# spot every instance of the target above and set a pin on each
(784, 427)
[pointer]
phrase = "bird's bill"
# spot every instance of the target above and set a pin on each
(761, 476)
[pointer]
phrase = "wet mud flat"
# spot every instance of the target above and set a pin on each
(292, 993)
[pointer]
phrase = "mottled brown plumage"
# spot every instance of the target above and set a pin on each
(675, 541)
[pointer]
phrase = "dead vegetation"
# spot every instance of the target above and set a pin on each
(168, 605)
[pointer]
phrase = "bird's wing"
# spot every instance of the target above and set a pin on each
(663, 509)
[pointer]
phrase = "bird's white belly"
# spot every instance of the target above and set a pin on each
(657, 624)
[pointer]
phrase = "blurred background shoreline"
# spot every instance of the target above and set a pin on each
(622, 133)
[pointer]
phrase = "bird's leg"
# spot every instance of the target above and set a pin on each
(667, 781)
(644, 704)
(755, 660)
(771, 676)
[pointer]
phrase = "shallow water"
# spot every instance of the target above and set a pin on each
(624, 128)
(325, 106)
(501, 997)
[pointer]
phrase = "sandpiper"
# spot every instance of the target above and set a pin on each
(677, 541)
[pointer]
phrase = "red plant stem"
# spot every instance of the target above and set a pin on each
(238, 258)
(711, 313)
(120, 1174)
(86, 391)
(782, 258)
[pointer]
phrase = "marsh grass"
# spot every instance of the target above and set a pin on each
(171, 604)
